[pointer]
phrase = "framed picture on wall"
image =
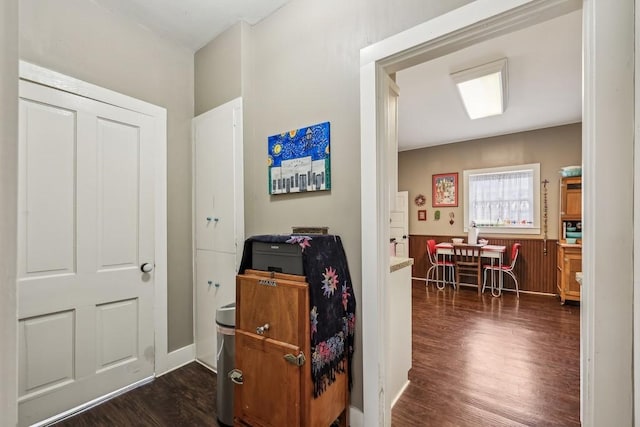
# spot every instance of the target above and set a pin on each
(445, 190)
(300, 160)
(422, 215)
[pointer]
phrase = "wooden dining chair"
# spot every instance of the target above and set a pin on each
(467, 262)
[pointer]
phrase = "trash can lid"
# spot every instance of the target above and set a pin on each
(226, 315)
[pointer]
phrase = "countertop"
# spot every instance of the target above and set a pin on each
(570, 245)
(396, 263)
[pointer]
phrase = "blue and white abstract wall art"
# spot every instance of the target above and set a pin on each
(300, 160)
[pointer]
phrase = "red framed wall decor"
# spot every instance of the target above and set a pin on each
(445, 190)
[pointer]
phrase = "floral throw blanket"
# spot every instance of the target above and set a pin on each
(333, 305)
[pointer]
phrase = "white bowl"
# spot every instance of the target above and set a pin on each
(571, 171)
(483, 241)
(457, 241)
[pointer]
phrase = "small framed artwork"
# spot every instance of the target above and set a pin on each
(445, 190)
(300, 160)
(422, 215)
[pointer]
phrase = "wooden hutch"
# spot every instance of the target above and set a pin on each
(569, 254)
(278, 365)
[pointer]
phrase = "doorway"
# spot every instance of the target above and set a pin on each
(429, 94)
(459, 28)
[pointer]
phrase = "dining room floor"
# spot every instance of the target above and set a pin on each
(486, 361)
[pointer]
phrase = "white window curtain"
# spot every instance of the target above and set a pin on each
(502, 199)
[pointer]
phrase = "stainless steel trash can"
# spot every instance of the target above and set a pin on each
(226, 327)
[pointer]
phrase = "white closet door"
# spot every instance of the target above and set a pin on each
(218, 218)
(215, 164)
(215, 286)
(86, 225)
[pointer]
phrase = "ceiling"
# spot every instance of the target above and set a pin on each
(544, 86)
(191, 23)
(544, 69)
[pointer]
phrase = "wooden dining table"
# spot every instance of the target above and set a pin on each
(493, 252)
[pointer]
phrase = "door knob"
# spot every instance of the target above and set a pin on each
(146, 267)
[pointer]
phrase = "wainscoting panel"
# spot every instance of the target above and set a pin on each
(535, 270)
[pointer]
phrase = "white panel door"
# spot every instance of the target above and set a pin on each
(400, 223)
(85, 227)
(215, 286)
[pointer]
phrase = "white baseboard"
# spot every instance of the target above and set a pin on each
(211, 368)
(399, 395)
(91, 404)
(175, 360)
(356, 417)
(179, 358)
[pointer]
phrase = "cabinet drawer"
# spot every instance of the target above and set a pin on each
(278, 300)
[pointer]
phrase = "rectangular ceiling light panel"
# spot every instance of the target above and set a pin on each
(483, 89)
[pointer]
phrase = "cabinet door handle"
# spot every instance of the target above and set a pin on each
(236, 376)
(295, 360)
(260, 330)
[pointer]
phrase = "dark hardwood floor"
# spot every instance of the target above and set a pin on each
(476, 362)
(184, 397)
(484, 361)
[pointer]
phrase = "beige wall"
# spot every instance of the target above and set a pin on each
(218, 69)
(552, 147)
(301, 66)
(303, 69)
(85, 41)
(8, 210)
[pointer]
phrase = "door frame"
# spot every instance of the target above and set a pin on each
(606, 346)
(53, 79)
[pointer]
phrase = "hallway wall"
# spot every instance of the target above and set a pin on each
(81, 39)
(304, 68)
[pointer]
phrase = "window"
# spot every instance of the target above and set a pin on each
(503, 200)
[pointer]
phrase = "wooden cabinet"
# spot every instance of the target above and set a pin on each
(569, 263)
(571, 198)
(273, 355)
(569, 255)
